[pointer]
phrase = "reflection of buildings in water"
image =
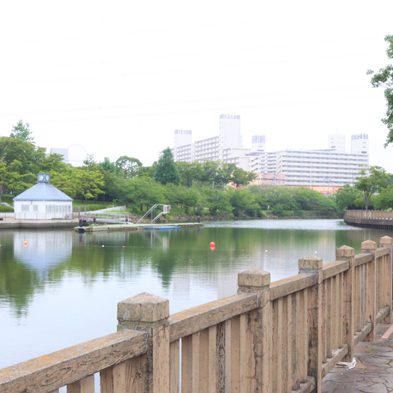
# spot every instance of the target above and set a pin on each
(43, 250)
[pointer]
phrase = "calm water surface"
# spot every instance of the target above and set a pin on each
(62, 288)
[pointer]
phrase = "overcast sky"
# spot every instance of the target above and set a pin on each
(119, 77)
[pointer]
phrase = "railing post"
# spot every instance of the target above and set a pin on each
(149, 313)
(313, 265)
(370, 288)
(259, 325)
(346, 253)
(387, 241)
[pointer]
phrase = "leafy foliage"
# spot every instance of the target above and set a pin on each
(373, 179)
(22, 131)
(166, 170)
(384, 78)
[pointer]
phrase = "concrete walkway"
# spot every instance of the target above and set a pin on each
(374, 367)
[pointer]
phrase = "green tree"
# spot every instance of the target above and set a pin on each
(52, 162)
(11, 180)
(385, 199)
(373, 179)
(128, 167)
(217, 201)
(141, 191)
(107, 165)
(243, 202)
(384, 78)
(189, 172)
(346, 197)
(22, 131)
(224, 173)
(165, 170)
(240, 177)
(327, 205)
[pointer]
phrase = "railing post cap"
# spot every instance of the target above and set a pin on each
(143, 307)
(386, 241)
(253, 278)
(345, 252)
(310, 263)
(369, 245)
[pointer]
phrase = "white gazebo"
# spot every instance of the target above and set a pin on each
(42, 201)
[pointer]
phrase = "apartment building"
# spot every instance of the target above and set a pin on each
(359, 144)
(227, 144)
(319, 167)
(331, 167)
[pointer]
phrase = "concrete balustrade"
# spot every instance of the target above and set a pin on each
(370, 218)
(281, 336)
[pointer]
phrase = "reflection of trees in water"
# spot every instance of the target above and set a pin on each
(173, 256)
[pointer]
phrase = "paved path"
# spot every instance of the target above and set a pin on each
(374, 368)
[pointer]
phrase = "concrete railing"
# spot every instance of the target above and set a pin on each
(370, 218)
(281, 336)
(370, 214)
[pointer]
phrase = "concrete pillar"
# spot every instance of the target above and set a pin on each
(346, 253)
(150, 313)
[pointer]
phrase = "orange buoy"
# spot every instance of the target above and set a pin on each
(25, 243)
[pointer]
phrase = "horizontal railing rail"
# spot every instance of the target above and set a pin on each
(50, 372)
(281, 336)
(369, 214)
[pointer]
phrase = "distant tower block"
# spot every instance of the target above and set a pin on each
(76, 155)
(337, 142)
(258, 143)
(359, 144)
(230, 131)
(182, 137)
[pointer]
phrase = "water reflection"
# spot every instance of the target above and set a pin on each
(41, 251)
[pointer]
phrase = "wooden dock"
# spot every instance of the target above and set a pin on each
(270, 337)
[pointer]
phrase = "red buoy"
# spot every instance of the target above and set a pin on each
(212, 244)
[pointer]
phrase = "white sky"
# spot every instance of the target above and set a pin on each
(119, 77)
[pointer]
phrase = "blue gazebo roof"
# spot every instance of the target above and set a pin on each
(43, 192)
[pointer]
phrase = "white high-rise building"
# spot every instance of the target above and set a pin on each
(183, 137)
(359, 144)
(183, 147)
(212, 148)
(322, 168)
(337, 142)
(229, 133)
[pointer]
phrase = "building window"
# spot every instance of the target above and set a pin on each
(35, 208)
(25, 208)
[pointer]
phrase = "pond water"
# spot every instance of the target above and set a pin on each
(59, 288)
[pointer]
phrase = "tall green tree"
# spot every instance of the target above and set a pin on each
(384, 78)
(22, 131)
(373, 179)
(107, 165)
(166, 170)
